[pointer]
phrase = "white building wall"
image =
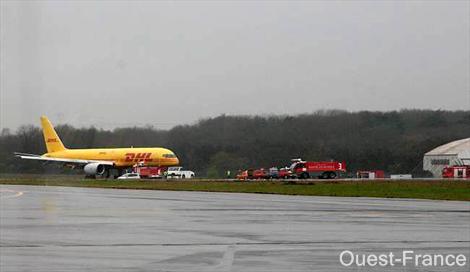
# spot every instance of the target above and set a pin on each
(436, 163)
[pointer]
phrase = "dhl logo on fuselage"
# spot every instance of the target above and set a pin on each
(52, 140)
(138, 157)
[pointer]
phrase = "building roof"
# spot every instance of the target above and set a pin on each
(460, 148)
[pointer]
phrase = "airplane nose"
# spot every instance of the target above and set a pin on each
(177, 161)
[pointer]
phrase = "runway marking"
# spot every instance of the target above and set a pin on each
(17, 193)
(227, 260)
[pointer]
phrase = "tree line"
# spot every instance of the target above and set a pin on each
(393, 141)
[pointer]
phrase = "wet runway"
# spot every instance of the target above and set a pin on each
(80, 229)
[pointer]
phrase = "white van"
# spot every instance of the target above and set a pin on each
(177, 172)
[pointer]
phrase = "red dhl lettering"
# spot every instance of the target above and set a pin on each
(138, 157)
(52, 140)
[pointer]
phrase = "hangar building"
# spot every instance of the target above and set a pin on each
(453, 153)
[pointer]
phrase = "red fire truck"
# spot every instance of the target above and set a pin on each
(456, 171)
(310, 169)
(260, 174)
(149, 172)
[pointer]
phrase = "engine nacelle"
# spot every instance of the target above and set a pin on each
(94, 168)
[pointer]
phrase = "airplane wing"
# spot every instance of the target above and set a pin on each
(59, 160)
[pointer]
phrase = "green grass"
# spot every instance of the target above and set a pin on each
(420, 189)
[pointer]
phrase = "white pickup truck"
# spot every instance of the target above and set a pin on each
(177, 172)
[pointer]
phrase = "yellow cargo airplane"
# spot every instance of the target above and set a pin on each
(99, 161)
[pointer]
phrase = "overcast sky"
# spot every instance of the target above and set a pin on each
(163, 63)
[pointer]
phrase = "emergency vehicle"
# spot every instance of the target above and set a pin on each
(322, 169)
(456, 171)
(149, 171)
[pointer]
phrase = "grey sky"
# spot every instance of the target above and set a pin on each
(165, 63)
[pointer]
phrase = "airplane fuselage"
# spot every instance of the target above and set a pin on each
(122, 157)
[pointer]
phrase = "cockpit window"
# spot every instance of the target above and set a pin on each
(169, 156)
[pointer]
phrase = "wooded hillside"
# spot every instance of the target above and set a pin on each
(392, 141)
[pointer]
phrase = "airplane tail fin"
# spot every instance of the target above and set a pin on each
(52, 140)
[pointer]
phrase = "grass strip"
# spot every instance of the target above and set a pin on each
(418, 189)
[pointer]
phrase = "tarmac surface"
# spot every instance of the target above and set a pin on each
(84, 229)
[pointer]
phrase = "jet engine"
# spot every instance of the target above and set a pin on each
(94, 168)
